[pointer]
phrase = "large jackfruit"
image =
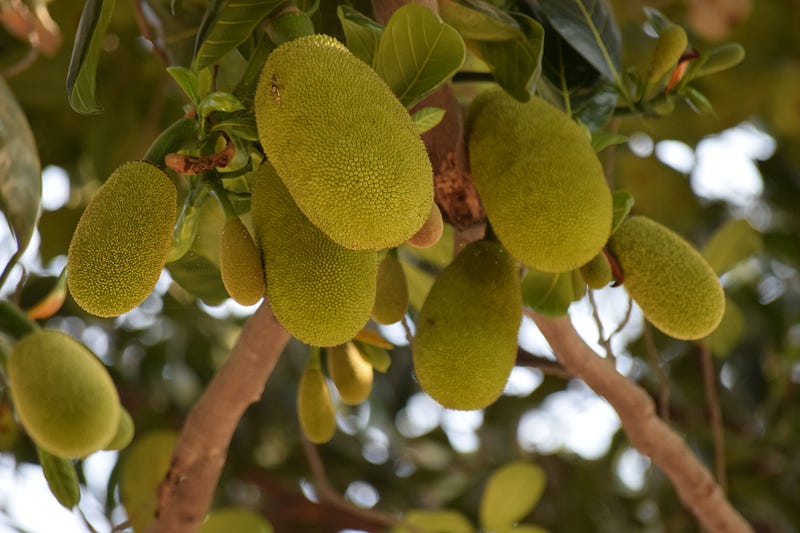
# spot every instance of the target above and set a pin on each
(466, 340)
(63, 394)
(121, 242)
(678, 291)
(540, 181)
(343, 144)
(321, 292)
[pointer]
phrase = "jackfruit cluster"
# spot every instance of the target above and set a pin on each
(540, 181)
(121, 242)
(676, 288)
(343, 144)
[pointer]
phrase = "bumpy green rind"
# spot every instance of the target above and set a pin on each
(240, 263)
(321, 292)
(350, 372)
(391, 297)
(675, 287)
(343, 144)
(540, 181)
(597, 272)
(121, 242)
(315, 407)
(466, 340)
(63, 394)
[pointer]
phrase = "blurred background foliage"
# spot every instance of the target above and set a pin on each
(398, 451)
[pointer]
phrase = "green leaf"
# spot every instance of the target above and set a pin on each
(61, 478)
(699, 103)
(188, 81)
(419, 284)
(547, 293)
(20, 173)
(724, 339)
(732, 243)
(417, 521)
(227, 24)
(418, 53)
(602, 139)
(524, 528)
(179, 134)
(82, 73)
(427, 118)
(477, 20)
(719, 59)
(511, 493)
(363, 35)
(622, 202)
(219, 101)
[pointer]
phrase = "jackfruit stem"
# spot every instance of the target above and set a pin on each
(314, 361)
(172, 139)
(13, 320)
(222, 197)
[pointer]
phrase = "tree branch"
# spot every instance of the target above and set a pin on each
(186, 493)
(651, 436)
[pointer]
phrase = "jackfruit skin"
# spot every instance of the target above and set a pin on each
(597, 272)
(466, 340)
(670, 47)
(315, 406)
(343, 144)
(63, 394)
(322, 293)
(124, 433)
(431, 231)
(391, 296)
(350, 372)
(121, 242)
(540, 181)
(240, 263)
(676, 288)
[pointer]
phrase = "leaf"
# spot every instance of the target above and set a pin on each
(524, 528)
(434, 522)
(477, 20)
(61, 478)
(732, 243)
(602, 139)
(188, 81)
(418, 53)
(427, 118)
(219, 101)
(363, 35)
(622, 202)
(419, 284)
(227, 24)
(724, 339)
(20, 173)
(547, 293)
(511, 493)
(82, 73)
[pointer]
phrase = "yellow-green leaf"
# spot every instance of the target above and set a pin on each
(61, 478)
(735, 241)
(510, 494)
(82, 73)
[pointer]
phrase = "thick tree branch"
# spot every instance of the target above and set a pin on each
(185, 495)
(651, 436)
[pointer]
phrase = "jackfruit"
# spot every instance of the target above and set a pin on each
(677, 290)
(343, 144)
(670, 47)
(315, 406)
(63, 394)
(540, 181)
(431, 231)
(234, 520)
(124, 434)
(466, 340)
(391, 296)
(320, 292)
(597, 272)
(350, 372)
(121, 242)
(240, 263)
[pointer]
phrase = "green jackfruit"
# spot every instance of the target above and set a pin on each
(124, 434)
(315, 406)
(678, 291)
(321, 292)
(670, 47)
(343, 144)
(240, 263)
(431, 231)
(63, 394)
(540, 181)
(466, 340)
(120, 245)
(597, 272)
(391, 296)
(234, 520)
(350, 372)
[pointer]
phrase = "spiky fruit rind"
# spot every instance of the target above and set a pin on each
(240, 263)
(315, 406)
(466, 340)
(350, 372)
(322, 293)
(675, 287)
(597, 272)
(391, 296)
(343, 144)
(121, 242)
(540, 181)
(670, 46)
(63, 394)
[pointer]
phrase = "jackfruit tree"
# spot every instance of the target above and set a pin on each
(430, 266)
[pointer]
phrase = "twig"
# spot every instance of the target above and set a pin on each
(544, 365)
(144, 29)
(663, 381)
(604, 341)
(407, 328)
(651, 436)
(715, 415)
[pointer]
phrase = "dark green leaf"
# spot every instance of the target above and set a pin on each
(477, 20)
(188, 80)
(242, 126)
(180, 133)
(219, 101)
(623, 203)
(546, 293)
(734, 242)
(61, 478)
(199, 276)
(427, 118)
(82, 73)
(363, 35)
(699, 103)
(418, 53)
(602, 139)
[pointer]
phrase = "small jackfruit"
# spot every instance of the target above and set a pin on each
(322, 293)
(677, 290)
(63, 394)
(240, 263)
(124, 434)
(597, 272)
(391, 296)
(540, 181)
(121, 242)
(466, 340)
(431, 231)
(315, 406)
(670, 47)
(343, 144)
(233, 520)
(350, 372)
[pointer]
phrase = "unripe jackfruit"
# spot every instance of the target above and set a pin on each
(431, 231)
(63, 394)
(320, 292)
(122, 239)
(678, 291)
(391, 296)
(315, 406)
(597, 272)
(240, 263)
(124, 434)
(540, 181)
(466, 340)
(350, 372)
(343, 144)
